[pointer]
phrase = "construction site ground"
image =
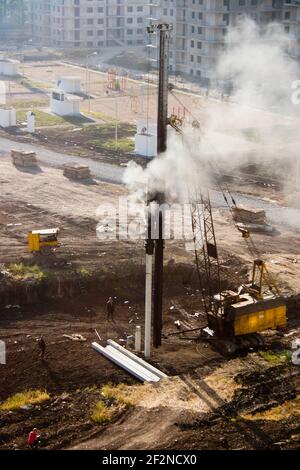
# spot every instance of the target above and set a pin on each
(209, 401)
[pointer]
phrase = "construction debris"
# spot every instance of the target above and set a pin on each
(75, 337)
(77, 172)
(255, 228)
(24, 158)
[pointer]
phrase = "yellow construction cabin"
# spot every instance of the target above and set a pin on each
(42, 239)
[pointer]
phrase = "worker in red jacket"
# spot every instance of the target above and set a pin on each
(33, 439)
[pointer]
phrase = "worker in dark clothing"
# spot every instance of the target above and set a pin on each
(42, 347)
(110, 308)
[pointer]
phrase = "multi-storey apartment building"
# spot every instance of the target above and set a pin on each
(200, 27)
(89, 23)
(198, 34)
(291, 21)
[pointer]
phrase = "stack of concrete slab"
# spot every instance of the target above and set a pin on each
(77, 172)
(24, 158)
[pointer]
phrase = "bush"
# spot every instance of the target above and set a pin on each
(83, 272)
(276, 357)
(23, 271)
(102, 413)
(30, 397)
(124, 145)
(119, 393)
(118, 399)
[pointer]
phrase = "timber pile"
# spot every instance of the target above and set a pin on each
(77, 172)
(24, 158)
(252, 220)
(249, 216)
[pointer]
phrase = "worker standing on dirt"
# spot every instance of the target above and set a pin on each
(110, 308)
(42, 347)
(34, 439)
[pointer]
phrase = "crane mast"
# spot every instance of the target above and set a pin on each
(206, 251)
(156, 244)
(162, 123)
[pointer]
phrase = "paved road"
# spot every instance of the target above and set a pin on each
(276, 214)
(100, 170)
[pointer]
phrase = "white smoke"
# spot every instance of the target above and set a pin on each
(254, 122)
(258, 63)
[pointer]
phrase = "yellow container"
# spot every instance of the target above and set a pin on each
(39, 239)
(34, 242)
(260, 320)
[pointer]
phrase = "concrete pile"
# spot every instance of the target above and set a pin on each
(24, 158)
(130, 362)
(77, 172)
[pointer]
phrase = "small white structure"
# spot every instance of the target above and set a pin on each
(9, 67)
(68, 84)
(64, 104)
(138, 339)
(2, 352)
(8, 117)
(146, 139)
(30, 122)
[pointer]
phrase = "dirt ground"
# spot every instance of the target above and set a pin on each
(209, 401)
(30, 201)
(213, 402)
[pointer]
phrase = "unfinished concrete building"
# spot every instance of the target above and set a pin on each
(126, 22)
(198, 35)
(291, 21)
(89, 23)
(200, 27)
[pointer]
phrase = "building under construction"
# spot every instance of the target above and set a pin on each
(89, 24)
